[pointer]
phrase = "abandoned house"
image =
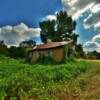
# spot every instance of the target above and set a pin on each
(53, 50)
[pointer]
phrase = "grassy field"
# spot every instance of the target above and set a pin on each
(72, 81)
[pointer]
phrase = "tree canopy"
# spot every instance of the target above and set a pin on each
(59, 29)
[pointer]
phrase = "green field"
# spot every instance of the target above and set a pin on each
(72, 81)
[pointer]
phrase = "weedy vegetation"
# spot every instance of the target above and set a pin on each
(73, 80)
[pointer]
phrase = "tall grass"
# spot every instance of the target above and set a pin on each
(19, 79)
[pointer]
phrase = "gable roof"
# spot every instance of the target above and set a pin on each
(51, 45)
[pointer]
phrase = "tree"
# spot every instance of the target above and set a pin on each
(48, 30)
(17, 52)
(79, 51)
(43, 37)
(93, 54)
(59, 29)
(29, 43)
(3, 48)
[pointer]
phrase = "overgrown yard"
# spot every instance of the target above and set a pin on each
(71, 81)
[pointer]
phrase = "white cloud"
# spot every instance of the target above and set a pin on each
(96, 8)
(90, 11)
(76, 8)
(97, 24)
(96, 38)
(49, 17)
(13, 35)
(93, 44)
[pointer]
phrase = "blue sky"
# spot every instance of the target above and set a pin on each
(30, 12)
(19, 19)
(87, 15)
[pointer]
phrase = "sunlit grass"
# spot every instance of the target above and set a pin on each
(44, 82)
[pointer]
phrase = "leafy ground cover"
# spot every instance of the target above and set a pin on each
(71, 81)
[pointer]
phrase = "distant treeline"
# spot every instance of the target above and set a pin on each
(21, 50)
(16, 52)
(93, 55)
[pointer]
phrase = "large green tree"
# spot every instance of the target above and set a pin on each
(59, 29)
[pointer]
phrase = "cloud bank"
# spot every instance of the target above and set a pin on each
(90, 11)
(93, 45)
(13, 35)
(76, 8)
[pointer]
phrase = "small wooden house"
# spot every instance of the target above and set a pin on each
(54, 51)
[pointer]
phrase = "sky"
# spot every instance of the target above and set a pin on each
(87, 15)
(19, 19)
(28, 11)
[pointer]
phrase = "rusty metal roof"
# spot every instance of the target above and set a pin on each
(51, 45)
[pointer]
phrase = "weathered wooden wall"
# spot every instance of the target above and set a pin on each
(56, 54)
